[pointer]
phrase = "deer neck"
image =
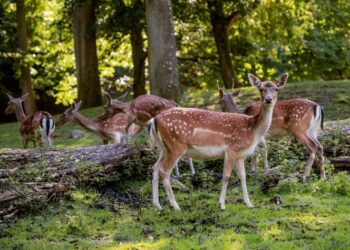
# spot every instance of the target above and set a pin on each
(261, 122)
(19, 112)
(125, 107)
(85, 122)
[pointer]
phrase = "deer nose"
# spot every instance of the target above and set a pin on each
(268, 100)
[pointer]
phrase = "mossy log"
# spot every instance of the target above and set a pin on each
(341, 163)
(32, 176)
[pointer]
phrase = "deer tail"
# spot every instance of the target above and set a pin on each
(47, 126)
(152, 131)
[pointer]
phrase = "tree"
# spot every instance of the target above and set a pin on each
(221, 24)
(138, 59)
(163, 72)
(128, 18)
(84, 32)
(25, 80)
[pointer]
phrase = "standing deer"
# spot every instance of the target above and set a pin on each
(141, 110)
(36, 127)
(204, 135)
(299, 118)
(112, 129)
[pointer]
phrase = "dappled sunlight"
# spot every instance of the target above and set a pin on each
(273, 232)
(144, 245)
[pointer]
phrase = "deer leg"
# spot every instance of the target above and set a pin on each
(264, 146)
(190, 162)
(312, 147)
(177, 173)
(320, 159)
(165, 173)
(228, 166)
(155, 182)
(25, 142)
(254, 158)
(166, 164)
(242, 176)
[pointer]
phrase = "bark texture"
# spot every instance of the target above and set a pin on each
(84, 32)
(138, 58)
(163, 72)
(25, 80)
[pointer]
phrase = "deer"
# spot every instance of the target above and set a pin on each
(112, 129)
(298, 118)
(39, 126)
(140, 111)
(204, 135)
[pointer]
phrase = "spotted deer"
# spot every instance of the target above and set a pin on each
(112, 129)
(299, 118)
(142, 109)
(204, 135)
(36, 127)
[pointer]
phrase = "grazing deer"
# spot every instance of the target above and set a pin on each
(141, 110)
(299, 118)
(112, 129)
(204, 135)
(36, 127)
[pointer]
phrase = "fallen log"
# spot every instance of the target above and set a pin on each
(335, 151)
(341, 162)
(32, 176)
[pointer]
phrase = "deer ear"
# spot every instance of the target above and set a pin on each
(10, 97)
(281, 80)
(236, 93)
(221, 93)
(76, 106)
(121, 98)
(254, 81)
(23, 97)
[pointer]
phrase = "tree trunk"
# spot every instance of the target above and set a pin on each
(29, 177)
(25, 81)
(84, 32)
(163, 72)
(138, 58)
(220, 31)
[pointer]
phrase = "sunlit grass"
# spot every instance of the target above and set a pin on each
(311, 221)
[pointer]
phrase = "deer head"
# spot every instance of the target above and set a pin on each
(268, 89)
(68, 114)
(115, 105)
(228, 101)
(14, 102)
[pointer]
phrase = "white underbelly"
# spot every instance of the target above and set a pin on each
(247, 152)
(206, 153)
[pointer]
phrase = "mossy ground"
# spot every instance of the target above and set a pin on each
(313, 216)
(306, 220)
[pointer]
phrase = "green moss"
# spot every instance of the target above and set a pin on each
(315, 220)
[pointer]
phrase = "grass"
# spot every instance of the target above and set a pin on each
(305, 220)
(312, 216)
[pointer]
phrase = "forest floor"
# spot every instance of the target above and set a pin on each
(314, 215)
